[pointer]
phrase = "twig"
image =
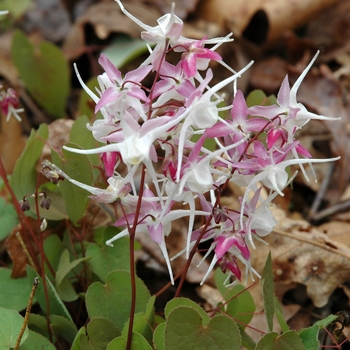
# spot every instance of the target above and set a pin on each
(323, 245)
(321, 193)
(26, 252)
(26, 317)
(336, 208)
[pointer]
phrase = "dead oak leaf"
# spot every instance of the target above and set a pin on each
(106, 18)
(304, 255)
(324, 96)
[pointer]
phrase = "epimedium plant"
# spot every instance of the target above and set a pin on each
(169, 145)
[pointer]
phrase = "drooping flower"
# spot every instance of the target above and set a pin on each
(9, 104)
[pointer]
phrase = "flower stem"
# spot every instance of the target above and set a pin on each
(132, 233)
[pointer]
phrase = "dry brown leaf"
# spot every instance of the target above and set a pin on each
(12, 142)
(182, 8)
(15, 250)
(304, 255)
(106, 18)
(281, 14)
(324, 96)
(333, 37)
(337, 231)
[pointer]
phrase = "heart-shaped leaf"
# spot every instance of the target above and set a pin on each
(11, 322)
(99, 333)
(287, 341)
(185, 330)
(112, 300)
(138, 342)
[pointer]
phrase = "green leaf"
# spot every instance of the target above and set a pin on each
(65, 266)
(176, 302)
(53, 248)
(57, 307)
(99, 333)
(10, 324)
(57, 210)
(76, 342)
(37, 341)
(14, 293)
(78, 167)
(247, 342)
(242, 306)
(64, 286)
(86, 105)
(24, 177)
(138, 342)
(118, 290)
(82, 136)
(38, 323)
(143, 322)
(16, 8)
(8, 217)
(268, 292)
(124, 49)
(159, 337)
(185, 330)
(309, 337)
(106, 259)
(259, 98)
(280, 317)
(141, 326)
(44, 71)
(287, 341)
(326, 321)
(63, 328)
(66, 291)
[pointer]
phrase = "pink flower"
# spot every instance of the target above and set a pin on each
(197, 57)
(9, 104)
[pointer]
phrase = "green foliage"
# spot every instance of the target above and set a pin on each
(11, 322)
(124, 49)
(239, 304)
(268, 292)
(86, 104)
(112, 300)
(16, 8)
(14, 293)
(37, 341)
(259, 98)
(64, 286)
(82, 136)
(24, 176)
(78, 167)
(8, 218)
(106, 259)
(99, 333)
(57, 307)
(287, 341)
(138, 343)
(309, 336)
(44, 72)
(174, 303)
(186, 329)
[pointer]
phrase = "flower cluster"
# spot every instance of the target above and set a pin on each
(161, 130)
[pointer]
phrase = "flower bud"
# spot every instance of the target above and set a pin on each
(24, 204)
(45, 202)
